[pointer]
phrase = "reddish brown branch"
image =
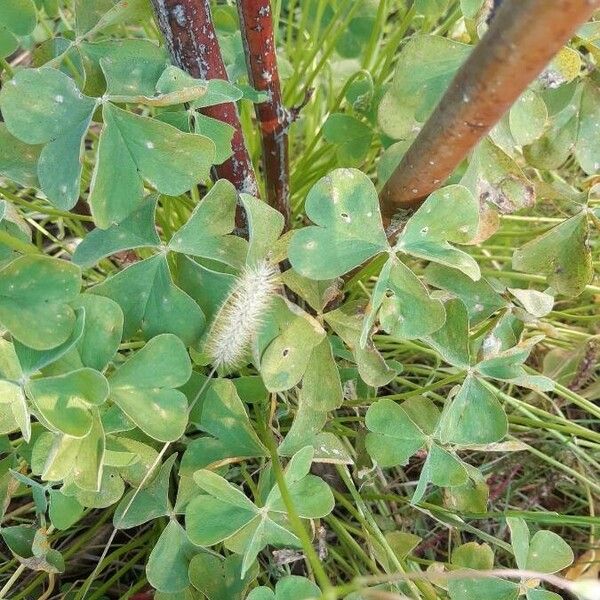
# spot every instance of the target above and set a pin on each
(190, 36)
(256, 26)
(523, 37)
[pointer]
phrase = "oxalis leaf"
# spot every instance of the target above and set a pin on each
(226, 514)
(285, 344)
(220, 579)
(149, 503)
(220, 412)
(78, 461)
(44, 106)
(321, 392)
(17, 18)
(473, 416)
(32, 548)
(562, 254)
(450, 214)
(405, 307)
(291, 587)
(169, 561)
(37, 290)
(545, 551)
(143, 388)
(135, 231)
(396, 432)
(348, 230)
(150, 301)
(133, 149)
(64, 401)
(207, 232)
(347, 322)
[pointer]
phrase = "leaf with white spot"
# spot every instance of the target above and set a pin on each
(348, 229)
(44, 106)
(450, 214)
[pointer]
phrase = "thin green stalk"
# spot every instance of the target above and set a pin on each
(417, 591)
(295, 521)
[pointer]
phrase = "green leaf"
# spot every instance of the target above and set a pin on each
(218, 91)
(37, 289)
(287, 353)
(150, 301)
(78, 460)
(100, 14)
(497, 182)
(351, 136)
(207, 232)
(470, 8)
(474, 416)
(348, 230)
(587, 148)
(226, 514)
(347, 322)
(135, 231)
(490, 588)
(541, 595)
(470, 497)
(64, 511)
(133, 148)
(266, 225)
(473, 556)
(480, 298)
(32, 360)
(537, 304)
(507, 365)
(442, 468)
(220, 579)
(102, 330)
(14, 413)
(143, 388)
(321, 392)
(151, 502)
(63, 401)
(291, 587)
(450, 214)
(318, 294)
(133, 70)
(548, 553)
(209, 287)
(562, 254)
(394, 437)
(406, 310)
(219, 132)
(210, 519)
(527, 118)
(18, 16)
(309, 494)
(169, 561)
(32, 548)
(221, 413)
(519, 537)
(44, 106)
(555, 146)
(18, 161)
(424, 69)
(452, 339)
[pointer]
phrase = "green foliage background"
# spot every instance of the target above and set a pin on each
(411, 409)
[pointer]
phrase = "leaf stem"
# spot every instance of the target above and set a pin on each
(295, 521)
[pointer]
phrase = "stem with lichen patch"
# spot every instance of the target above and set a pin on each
(256, 25)
(523, 37)
(190, 36)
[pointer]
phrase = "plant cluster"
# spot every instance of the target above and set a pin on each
(288, 414)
